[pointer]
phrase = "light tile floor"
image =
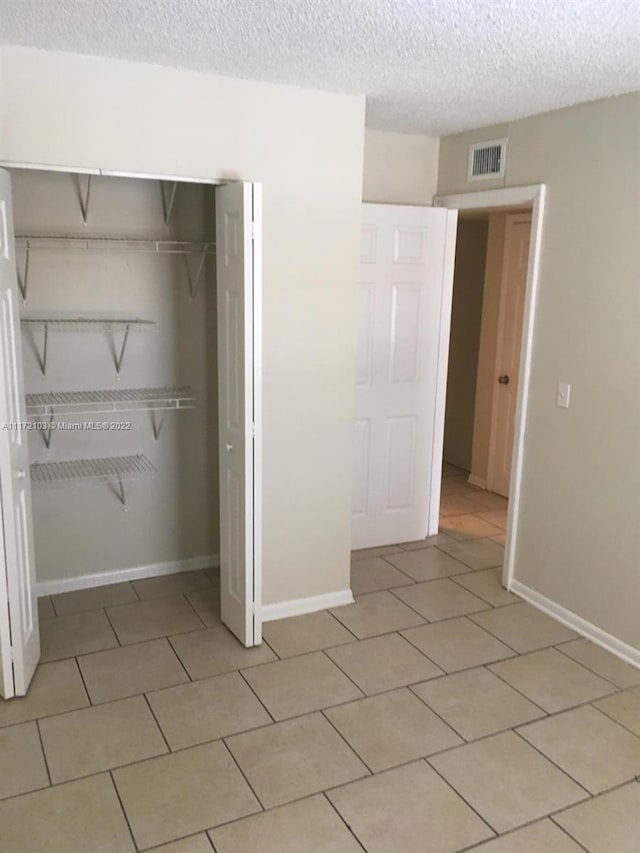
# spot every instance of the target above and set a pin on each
(436, 714)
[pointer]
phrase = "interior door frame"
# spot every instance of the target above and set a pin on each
(256, 342)
(533, 195)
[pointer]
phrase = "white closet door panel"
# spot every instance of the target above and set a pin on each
(19, 630)
(235, 291)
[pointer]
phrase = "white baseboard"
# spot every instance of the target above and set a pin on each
(298, 606)
(477, 481)
(612, 644)
(120, 575)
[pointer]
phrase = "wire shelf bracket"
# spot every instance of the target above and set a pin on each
(23, 274)
(113, 471)
(194, 278)
(109, 326)
(84, 196)
(167, 203)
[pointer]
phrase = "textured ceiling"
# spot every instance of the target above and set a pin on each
(427, 66)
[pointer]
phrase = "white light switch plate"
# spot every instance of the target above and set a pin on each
(563, 394)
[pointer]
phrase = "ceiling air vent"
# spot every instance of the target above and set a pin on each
(487, 160)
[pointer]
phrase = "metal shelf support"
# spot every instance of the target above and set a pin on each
(167, 204)
(194, 279)
(23, 275)
(84, 196)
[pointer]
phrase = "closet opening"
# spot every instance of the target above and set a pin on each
(131, 417)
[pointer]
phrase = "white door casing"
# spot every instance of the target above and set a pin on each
(238, 264)
(19, 629)
(513, 287)
(406, 279)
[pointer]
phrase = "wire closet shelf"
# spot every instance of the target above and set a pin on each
(109, 401)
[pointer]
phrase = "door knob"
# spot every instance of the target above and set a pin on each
(503, 380)
(229, 447)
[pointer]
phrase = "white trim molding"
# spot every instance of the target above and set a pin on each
(299, 606)
(612, 644)
(476, 481)
(532, 195)
(191, 564)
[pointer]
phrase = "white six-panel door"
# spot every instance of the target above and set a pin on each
(238, 254)
(406, 276)
(19, 632)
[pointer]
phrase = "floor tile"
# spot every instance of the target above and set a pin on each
(468, 527)
(457, 504)
(551, 680)
(78, 816)
(429, 542)
(624, 708)
(206, 710)
(408, 809)
(298, 635)
(607, 823)
(215, 651)
(495, 516)
(541, 837)
(281, 830)
(45, 608)
(427, 564)
(287, 761)
(94, 598)
(523, 627)
(175, 584)
(183, 793)
(591, 748)
(56, 687)
(376, 613)
(383, 663)
(488, 500)
(213, 573)
(487, 585)
(158, 617)
(193, 844)
(301, 684)
(89, 741)
(375, 574)
(454, 485)
(392, 728)
(22, 761)
(602, 662)
(506, 781)
(440, 599)
(206, 603)
(367, 553)
(78, 634)
(476, 703)
(477, 554)
(130, 670)
(457, 644)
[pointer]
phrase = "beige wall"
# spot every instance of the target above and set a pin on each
(399, 168)
(468, 281)
(306, 148)
(579, 537)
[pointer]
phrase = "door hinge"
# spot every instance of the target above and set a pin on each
(253, 430)
(253, 230)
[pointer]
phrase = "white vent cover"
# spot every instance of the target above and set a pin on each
(487, 160)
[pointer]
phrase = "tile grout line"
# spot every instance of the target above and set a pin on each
(268, 712)
(124, 811)
(223, 741)
(157, 722)
(340, 817)
(44, 753)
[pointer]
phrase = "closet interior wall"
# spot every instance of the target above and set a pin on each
(171, 520)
